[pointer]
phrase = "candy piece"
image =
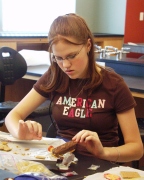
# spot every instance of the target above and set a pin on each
(110, 176)
(50, 148)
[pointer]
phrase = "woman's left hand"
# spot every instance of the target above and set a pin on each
(29, 130)
(91, 141)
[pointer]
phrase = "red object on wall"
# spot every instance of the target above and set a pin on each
(134, 28)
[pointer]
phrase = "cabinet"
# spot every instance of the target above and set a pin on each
(103, 39)
(39, 43)
(109, 41)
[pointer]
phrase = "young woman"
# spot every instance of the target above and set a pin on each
(88, 101)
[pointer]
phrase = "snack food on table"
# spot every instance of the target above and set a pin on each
(4, 146)
(129, 174)
(24, 166)
(111, 176)
(40, 157)
(64, 148)
(50, 148)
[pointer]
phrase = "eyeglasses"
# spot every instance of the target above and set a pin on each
(69, 57)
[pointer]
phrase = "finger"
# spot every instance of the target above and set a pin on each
(85, 135)
(21, 121)
(80, 136)
(90, 139)
(22, 129)
(77, 136)
(38, 129)
(30, 125)
(22, 124)
(35, 128)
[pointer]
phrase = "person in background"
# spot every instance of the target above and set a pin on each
(89, 101)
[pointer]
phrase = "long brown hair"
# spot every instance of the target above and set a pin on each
(70, 25)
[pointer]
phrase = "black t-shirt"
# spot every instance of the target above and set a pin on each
(75, 110)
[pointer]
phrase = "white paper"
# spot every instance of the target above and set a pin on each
(9, 138)
(116, 170)
(35, 58)
(29, 149)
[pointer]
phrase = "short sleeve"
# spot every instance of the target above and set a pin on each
(42, 81)
(123, 98)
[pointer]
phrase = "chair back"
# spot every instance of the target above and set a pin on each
(12, 66)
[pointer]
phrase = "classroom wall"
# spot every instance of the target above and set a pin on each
(103, 16)
(87, 9)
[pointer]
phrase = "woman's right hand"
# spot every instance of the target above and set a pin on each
(29, 130)
(91, 141)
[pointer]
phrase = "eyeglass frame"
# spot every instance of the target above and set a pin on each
(69, 57)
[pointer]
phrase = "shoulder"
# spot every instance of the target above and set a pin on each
(43, 79)
(117, 90)
(110, 73)
(42, 83)
(114, 83)
(110, 77)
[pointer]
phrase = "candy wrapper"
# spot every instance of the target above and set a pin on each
(94, 167)
(68, 174)
(65, 161)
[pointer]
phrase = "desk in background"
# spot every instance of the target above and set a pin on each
(136, 48)
(35, 72)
